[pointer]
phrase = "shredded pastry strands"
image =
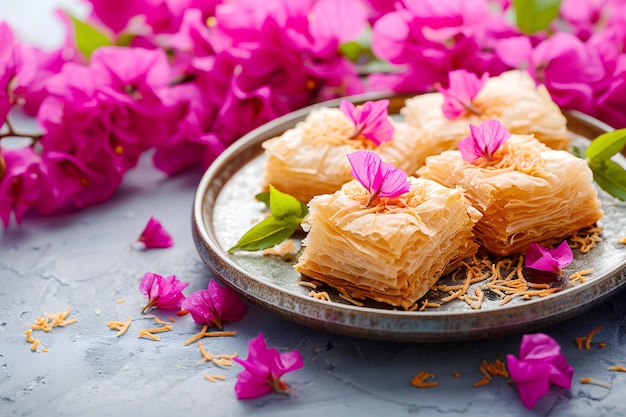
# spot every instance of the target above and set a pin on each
(503, 278)
(321, 295)
(147, 334)
(579, 276)
(219, 360)
(120, 326)
(585, 239)
(489, 370)
(52, 320)
(587, 339)
(204, 333)
(214, 377)
(594, 381)
(344, 295)
(420, 380)
(165, 328)
(46, 324)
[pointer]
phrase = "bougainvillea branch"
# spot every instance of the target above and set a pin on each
(186, 82)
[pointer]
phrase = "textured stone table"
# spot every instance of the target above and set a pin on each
(82, 260)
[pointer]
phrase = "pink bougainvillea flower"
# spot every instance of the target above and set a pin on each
(379, 178)
(371, 120)
(570, 69)
(155, 236)
(329, 20)
(163, 292)
(546, 259)
(540, 364)
(214, 305)
(263, 369)
(457, 98)
(7, 68)
(20, 182)
(483, 141)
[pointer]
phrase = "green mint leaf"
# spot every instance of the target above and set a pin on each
(535, 15)
(608, 174)
(606, 145)
(263, 197)
(283, 205)
(352, 50)
(88, 38)
(611, 177)
(578, 153)
(124, 39)
(267, 233)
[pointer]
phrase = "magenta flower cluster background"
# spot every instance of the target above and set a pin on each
(186, 78)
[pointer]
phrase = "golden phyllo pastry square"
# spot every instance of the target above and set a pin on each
(310, 159)
(392, 251)
(528, 193)
(512, 98)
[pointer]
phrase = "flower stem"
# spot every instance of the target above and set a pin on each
(12, 133)
(279, 386)
(148, 306)
(472, 109)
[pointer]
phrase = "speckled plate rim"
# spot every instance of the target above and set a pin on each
(371, 323)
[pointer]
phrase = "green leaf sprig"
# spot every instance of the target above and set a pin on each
(88, 38)
(287, 215)
(608, 174)
(535, 15)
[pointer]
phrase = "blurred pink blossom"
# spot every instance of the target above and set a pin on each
(19, 183)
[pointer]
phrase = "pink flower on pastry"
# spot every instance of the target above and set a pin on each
(371, 120)
(379, 178)
(457, 98)
(483, 141)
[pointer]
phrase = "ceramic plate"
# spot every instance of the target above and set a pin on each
(225, 207)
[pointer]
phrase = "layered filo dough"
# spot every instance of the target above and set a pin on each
(512, 98)
(310, 159)
(528, 193)
(392, 251)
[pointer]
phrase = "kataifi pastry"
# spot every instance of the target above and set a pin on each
(310, 159)
(513, 98)
(387, 247)
(526, 191)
